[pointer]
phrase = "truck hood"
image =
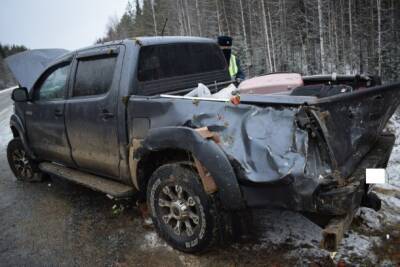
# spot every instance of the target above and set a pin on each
(28, 65)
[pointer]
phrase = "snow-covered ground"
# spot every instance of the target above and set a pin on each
(372, 233)
(5, 113)
(393, 168)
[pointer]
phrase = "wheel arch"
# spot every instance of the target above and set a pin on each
(184, 144)
(18, 130)
(151, 160)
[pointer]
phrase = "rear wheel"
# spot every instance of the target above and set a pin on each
(183, 214)
(24, 168)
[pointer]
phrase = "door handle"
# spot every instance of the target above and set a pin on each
(105, 114)
(58, 113)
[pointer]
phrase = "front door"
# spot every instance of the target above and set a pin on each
(44, 115)
(91, 111)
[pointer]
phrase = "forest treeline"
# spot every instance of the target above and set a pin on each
(306, 36)
(6, 78)
(8, 50)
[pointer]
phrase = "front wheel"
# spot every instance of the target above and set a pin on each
(183, 214)
(24, 168)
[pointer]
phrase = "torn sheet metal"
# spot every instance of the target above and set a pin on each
(353, 122)
(294, 146)
(264, 140)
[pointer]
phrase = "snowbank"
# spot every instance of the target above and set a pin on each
(393, 168)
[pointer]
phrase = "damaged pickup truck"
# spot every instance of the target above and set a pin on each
(120, 118)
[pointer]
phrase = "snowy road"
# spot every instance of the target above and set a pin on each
(63, 224)
(5, 113)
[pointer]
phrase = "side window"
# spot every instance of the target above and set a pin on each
(94, 75)
(174, 60)
(53, 85)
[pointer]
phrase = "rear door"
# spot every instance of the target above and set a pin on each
(44, 115)
(91, 111)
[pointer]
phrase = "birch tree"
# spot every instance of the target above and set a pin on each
(218, 17)
(378, 6)
(198, 16)
(321, 37)
(268, 61)
(154, 17)
(351, 35)
(272, 41)
(246, 49)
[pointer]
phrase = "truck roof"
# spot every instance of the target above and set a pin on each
(171, 39)
(155, 40)
(151, 40)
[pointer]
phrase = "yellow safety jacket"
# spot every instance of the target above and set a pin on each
(233, 68)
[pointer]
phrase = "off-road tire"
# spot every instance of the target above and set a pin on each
(207, 232)
(23, 167)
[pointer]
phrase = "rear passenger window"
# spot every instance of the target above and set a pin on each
(174, 60)
(94, 76)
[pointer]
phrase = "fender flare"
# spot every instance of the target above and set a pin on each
(16, 123)
(207, 152)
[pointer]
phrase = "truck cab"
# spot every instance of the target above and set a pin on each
(77, 107)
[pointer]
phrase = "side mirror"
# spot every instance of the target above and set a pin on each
(20, 94)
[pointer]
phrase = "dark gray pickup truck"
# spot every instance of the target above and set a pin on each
(114, 117)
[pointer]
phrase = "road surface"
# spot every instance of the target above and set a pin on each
(57, 223)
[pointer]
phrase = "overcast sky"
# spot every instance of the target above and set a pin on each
(68, 24)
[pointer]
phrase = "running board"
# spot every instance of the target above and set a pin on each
(94, 182)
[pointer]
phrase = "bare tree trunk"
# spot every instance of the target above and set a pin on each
(183, 17)
(361, 58)
(284, 38)
(218, 18)
(321, 37)
(249, 4)
(154, 17)
(180, 17)
(198, 17)
(246, 49)
(226, 18)
(378, 4)
(393, 18)
(336, 41)
(351, 37)
(393, 60)
(187, 16)
(342, 34)
(330, 38)
(303, 53)
(272, 41)
(371, 39)
(307, 42)
(267, 59)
